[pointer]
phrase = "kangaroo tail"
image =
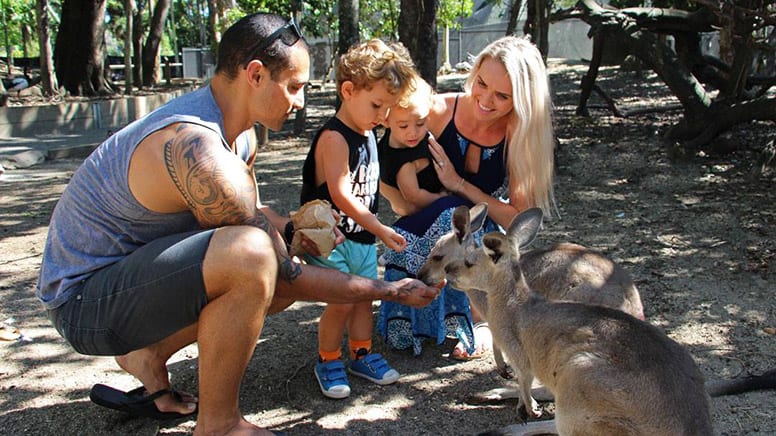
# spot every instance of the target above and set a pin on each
(718, 388)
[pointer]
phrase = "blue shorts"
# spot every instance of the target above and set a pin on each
(150, 294)
(350, 257)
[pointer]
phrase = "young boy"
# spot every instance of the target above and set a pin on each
(342, 167)
(405, 160)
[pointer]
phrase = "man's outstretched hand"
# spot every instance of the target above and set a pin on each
(411, 292)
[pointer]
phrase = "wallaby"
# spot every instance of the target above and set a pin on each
(610, 373)
(563, 271)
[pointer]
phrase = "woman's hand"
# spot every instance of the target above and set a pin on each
(443, 166)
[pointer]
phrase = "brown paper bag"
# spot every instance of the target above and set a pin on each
(315, 221)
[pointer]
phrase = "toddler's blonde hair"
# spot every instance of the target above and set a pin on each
(421, 97)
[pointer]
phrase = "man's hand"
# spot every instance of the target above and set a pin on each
(411, 292)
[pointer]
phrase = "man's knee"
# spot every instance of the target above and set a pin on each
(241, 257)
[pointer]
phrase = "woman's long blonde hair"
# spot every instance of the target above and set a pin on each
(530, 138)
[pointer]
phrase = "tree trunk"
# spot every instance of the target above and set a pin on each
(151, 49)
(704, 118)
(79, 50)
(530, 18)
(3, 95)
(647, 47)
(47, 76)
(300, 120)
(698, 131)
(129, 12)
(137, 42)
(26, 38)
(409, 16)
(214, 18)
(425, 54)
(537, 24)
(514, 16)
(417, 31)
(542, 30)
(592, 72)
(348, 25)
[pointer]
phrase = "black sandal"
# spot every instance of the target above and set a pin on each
(136, 402)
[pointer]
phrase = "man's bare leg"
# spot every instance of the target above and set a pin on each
(149, 365)
(240, 271)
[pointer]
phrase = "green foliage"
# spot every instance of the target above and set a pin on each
(189, 24)
(18, 15)
(319, 19)
(232, 16)
(379, 19)
(451, 12)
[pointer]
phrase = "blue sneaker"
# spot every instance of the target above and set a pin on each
(374, 368)
(332, 379)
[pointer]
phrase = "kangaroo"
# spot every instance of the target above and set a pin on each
(560, 272)
(610, 373)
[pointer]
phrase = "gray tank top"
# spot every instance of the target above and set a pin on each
(97, 221)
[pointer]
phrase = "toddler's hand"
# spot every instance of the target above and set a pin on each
(393, 240)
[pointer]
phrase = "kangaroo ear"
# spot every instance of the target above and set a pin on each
(477, 215)
(460, 222)
(494, 244)
(525, 227)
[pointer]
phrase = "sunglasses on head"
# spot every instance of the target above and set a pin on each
(288, 33)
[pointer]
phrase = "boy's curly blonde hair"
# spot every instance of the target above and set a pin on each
(370, 62)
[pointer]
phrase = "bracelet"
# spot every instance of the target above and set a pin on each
(459, 186)
(288, 232)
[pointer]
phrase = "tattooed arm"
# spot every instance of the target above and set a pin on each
(333, 286)
(219, 188)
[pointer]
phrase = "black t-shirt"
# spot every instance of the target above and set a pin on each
(392, 159)
(364, 169)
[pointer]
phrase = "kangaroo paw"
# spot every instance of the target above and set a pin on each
(523, 412)
(506, 372)
(493, 396)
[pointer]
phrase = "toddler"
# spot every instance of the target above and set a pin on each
(405, 160)
(342, 167)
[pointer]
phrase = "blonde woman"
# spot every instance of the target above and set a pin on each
(494, 143)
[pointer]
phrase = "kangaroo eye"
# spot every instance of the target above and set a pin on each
(437, 258)
(468, 264)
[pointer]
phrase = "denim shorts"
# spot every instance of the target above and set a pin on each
(148, 295)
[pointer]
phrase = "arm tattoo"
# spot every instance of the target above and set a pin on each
(288, 269)
(397, 293)
(220, 189)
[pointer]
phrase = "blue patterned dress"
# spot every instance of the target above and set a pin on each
(448, 315)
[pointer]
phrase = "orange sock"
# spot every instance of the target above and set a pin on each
(359, 345)
(326, 356)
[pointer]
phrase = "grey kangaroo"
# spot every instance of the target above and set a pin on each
(560, 272)
(610, 373)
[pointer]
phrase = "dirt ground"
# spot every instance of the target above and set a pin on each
(694, 229)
